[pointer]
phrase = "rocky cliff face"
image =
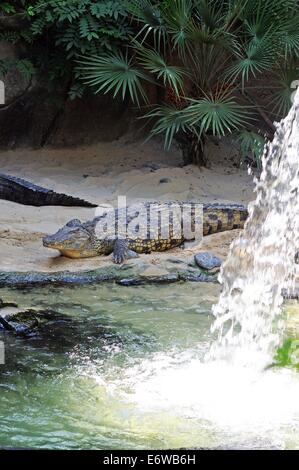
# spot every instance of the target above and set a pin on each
(34, 116)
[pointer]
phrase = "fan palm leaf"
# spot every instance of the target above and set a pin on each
(251, 142)
(155, 64)
(284, 80)
(254, 58)
(114, 72)
(177, 16)
(169, 121)
(148, 14)
(219, 114)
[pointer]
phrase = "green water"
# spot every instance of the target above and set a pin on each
(59, 389)
(121, 368)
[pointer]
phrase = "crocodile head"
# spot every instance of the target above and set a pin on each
(73, 240)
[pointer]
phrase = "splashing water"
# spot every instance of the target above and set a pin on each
(262, 260)
(232, 386)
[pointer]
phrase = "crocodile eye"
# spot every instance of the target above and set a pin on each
(74, 223)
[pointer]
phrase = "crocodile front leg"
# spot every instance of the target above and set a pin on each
(120, 250)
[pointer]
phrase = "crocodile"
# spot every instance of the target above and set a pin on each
(82, 240)
(24, 192)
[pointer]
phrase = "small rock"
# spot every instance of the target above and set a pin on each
(207, 260)
(151, 166)
(132, 254)
(8, 311)
(175, 260)
(129, 282)
(141, 281)
(165, 180)
(200, 277)
(7, 304)
(23, 322)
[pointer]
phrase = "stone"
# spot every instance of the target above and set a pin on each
(132, 254)
(199, 277)
(18, 321)
(176, 260)
(206, 260)
(165, 180)
(152, 166)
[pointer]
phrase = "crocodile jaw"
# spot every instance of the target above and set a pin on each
(74, 254)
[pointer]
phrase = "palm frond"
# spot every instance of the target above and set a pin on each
(253, 59)
(177, 16)
(144, 12)
(219, 114)
(283, 88)
(209, 13)
(154, 63)
(169, 122)
(114, 72)
(268, 12)
(251, 143)
(289, 35)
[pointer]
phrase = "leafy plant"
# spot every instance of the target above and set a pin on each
(113, 71)
(203, 56)
(66, 29)
(24, 66)
(288, 354)
(251, 145)
(7, 8)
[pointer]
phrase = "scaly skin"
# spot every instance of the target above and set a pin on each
(80, 240)
(24, 192)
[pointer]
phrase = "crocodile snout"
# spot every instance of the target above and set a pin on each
(48, 241)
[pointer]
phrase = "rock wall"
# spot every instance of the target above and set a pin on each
(34, 116)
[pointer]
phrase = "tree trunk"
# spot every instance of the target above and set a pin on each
(192, 148)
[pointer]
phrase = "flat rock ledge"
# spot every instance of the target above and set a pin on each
(126, 275)
(134, 272)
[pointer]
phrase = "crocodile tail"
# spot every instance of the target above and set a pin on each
(24, 192)
(219, 218)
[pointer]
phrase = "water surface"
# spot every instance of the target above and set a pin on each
(121, 368)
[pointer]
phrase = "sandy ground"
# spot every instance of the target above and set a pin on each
(99, 174)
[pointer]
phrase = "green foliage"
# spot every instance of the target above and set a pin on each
(285, 79)
(76, 91)
(9, 36)
(201, 54)
(67, 29)
(221, 114)
(205, 53)
(7, 8)
(288, 354)
(24, 66)
(155, 64)
(252, 144)
(113, 71)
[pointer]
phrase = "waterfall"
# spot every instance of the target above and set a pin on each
(230, 389)
(261, 261)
